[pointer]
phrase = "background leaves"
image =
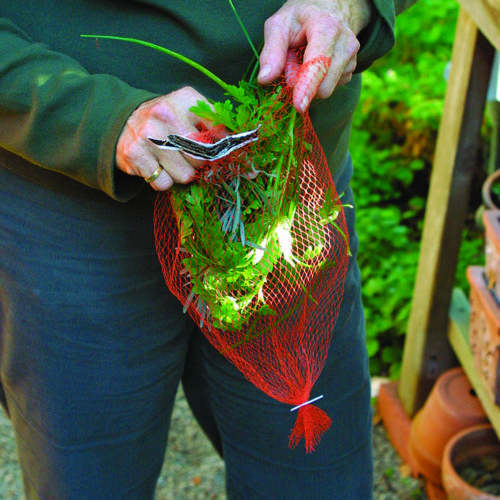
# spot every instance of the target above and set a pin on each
(392, 145)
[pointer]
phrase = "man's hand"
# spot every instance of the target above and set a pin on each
(137, 155)
(327, 28)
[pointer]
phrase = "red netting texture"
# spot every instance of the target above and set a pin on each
(258, 258)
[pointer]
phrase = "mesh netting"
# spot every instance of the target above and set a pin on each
(256, 250)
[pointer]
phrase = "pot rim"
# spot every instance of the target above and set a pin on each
(486, 190)
(450, 459)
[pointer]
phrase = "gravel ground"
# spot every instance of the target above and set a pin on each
(195, 472)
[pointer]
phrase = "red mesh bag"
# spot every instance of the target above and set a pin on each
(256, 249)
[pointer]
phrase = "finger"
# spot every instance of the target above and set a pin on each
(174, 108)
(275, 50)
(332, 79)
(176, 169)
(321, 75)
(318, 79)
(293, 68)
(309, 80)
(321, 31)
(163, 182)
(179, 168)
(345, 79)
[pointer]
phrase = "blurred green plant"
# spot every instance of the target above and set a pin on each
(393, 143)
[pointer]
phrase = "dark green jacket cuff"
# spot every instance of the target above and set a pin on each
(377, 39)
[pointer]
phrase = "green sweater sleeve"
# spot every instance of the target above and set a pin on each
(378, 37)
(54, 115)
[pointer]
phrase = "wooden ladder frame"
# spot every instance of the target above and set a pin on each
(433, 342)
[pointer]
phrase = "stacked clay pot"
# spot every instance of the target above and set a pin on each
(471, 443)
(451, 407)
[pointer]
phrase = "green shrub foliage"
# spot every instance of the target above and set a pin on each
(392, 145)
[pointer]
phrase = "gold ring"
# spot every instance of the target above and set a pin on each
(154, 175)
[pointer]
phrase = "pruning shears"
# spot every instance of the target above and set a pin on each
(207, 151)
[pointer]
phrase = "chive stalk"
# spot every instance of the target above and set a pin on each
(228, 88)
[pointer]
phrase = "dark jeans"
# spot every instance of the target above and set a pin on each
(93, 347)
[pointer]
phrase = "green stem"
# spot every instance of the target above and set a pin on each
(291, 159)
(228, 88)
(244, 29)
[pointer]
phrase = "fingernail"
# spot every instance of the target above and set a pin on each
(301, 103)
(265, 71)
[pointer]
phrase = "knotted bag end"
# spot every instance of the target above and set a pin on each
(312, 422)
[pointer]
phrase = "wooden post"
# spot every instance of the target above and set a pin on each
(486, 15)
(427, 351)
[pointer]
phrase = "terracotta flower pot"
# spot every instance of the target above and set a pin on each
(451, 407)
(491, 222)
(484, 336)
(490, 194)
(470, 444)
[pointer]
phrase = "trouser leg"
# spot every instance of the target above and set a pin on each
(92, 345)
